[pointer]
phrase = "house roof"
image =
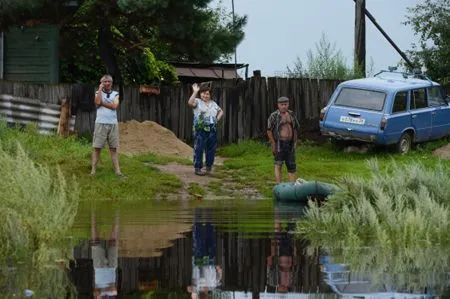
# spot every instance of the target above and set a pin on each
(213, 70)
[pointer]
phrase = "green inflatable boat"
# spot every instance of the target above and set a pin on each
(301, 190)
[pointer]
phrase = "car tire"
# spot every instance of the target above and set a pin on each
(405, 143)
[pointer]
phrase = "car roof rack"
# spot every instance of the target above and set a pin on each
(417, 74)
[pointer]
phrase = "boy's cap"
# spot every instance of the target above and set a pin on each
(283, 100)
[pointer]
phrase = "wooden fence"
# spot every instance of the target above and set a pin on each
(246, 105)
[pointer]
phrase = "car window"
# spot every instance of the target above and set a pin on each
(360, 98)
(400, 102)
(418, 98)
(435, 97)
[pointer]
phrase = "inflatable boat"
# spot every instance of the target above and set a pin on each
(301, 190)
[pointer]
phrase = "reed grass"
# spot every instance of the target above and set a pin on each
(402, 206)
(38, 208)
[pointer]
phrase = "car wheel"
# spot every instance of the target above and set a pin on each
(404, 144)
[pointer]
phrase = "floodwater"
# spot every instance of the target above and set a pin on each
(234, 249)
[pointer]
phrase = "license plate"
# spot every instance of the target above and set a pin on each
(352, 120)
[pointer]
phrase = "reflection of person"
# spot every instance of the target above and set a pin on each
(105, 261)
(282, 257)
(206, 273)
(207, 114)
(282, 130)
(106, 124)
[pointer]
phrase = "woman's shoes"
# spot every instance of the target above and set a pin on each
(198, 171)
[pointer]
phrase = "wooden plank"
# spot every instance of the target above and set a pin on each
(256, 108)
(263, 103)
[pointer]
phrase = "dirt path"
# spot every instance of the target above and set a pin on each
(150, 137)
(225, 185)
(443, 152)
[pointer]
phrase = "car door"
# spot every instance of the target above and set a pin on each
(399, 118)
(420, 114)
(440, 117)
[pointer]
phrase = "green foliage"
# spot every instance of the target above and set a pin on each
(38, 208)
(141, 37)
(12, 7)
(431, 21)
(325, 63)
(141, 66)
(392, 208)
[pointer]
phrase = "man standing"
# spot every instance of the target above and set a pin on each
(106, 124)
(282, 129)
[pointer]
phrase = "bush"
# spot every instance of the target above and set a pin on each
(401, 207)
(37, 207)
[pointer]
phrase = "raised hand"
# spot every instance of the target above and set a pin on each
(195, 87)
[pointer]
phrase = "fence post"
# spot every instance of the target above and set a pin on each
(64, 118)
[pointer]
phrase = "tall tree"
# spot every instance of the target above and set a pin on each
(133, 39)
(431, 21)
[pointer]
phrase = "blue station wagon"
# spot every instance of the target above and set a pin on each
(389, 108)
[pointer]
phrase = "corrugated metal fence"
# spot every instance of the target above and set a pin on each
(24, 111)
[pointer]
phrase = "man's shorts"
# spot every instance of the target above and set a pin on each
(99, 258)
(106, 133)
(286, 155)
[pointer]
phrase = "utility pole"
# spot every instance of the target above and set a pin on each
(375, 23)
(360, 36)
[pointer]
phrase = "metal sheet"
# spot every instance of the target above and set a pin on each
(24, 111)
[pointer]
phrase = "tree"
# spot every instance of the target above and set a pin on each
(134, 40)
(431, 21)
(325, 63)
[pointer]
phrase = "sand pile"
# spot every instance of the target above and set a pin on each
(150, 137)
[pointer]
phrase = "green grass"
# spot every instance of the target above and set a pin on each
(399, 207)
(143, 180)
(251, 163)
(196, 190)
(38, 208)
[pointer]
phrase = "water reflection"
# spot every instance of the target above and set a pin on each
(239, 250)
(206, 272)
(389, 273)
(105, 259)
(282, 263)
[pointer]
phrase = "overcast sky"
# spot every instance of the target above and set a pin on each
(280, 30)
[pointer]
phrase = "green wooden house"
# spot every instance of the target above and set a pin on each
(30, 54)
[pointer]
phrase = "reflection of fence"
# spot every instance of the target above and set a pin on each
(243, 260)
(24, 111)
